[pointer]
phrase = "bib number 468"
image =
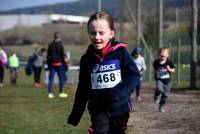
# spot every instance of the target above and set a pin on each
(106, 78)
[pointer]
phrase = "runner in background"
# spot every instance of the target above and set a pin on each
(140, 62)
(163, 68)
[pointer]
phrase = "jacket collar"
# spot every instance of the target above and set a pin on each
(110, 47)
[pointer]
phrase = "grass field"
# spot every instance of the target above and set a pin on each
(27, 110)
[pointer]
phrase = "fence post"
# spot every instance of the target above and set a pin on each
(150, 67)
(193, 64)
(178, 61)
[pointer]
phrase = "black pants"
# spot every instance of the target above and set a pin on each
(1, 74)
(37, 74)
(104, 124)
(13, 75)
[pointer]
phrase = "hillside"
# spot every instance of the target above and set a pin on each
(86, 7)
(82, 7)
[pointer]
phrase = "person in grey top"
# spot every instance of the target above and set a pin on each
(140, 63)
(38, 65)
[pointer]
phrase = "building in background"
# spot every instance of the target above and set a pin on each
(10, 21)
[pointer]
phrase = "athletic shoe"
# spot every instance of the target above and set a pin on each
(63, 95)
(37, 85)
(157, 101)
(51, 96)
(90, 130)
(139, 98)
(161, 109)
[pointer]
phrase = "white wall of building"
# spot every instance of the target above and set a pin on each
(10, 21)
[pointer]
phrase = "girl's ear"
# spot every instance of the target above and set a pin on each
(112, 33)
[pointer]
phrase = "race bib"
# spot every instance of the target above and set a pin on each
(162, 74)
(106, 74)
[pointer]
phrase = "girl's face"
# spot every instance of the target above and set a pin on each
(100, 33)
(164, 54)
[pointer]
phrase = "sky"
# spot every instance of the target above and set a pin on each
(12, 4)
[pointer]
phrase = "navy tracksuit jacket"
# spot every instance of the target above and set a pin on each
(106, 80)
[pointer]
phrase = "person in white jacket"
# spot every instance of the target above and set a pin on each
(3, 62)
(140, 62)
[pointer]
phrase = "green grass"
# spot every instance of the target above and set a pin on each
(27, 110)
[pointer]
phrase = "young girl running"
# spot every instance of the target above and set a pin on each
(163, 68)
(107, 77)
(140, 62)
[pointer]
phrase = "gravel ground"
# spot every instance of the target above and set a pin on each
(182, 114)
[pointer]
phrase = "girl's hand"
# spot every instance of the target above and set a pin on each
(171, 70)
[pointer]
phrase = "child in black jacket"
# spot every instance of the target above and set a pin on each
(107, 77)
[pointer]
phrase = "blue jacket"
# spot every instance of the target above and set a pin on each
(100, 84)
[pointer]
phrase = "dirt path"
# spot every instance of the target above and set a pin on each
(182, 114)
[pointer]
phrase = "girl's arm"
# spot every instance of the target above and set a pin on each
(171, 70)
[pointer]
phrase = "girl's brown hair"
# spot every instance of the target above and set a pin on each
(102, 15)
(163, 49)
